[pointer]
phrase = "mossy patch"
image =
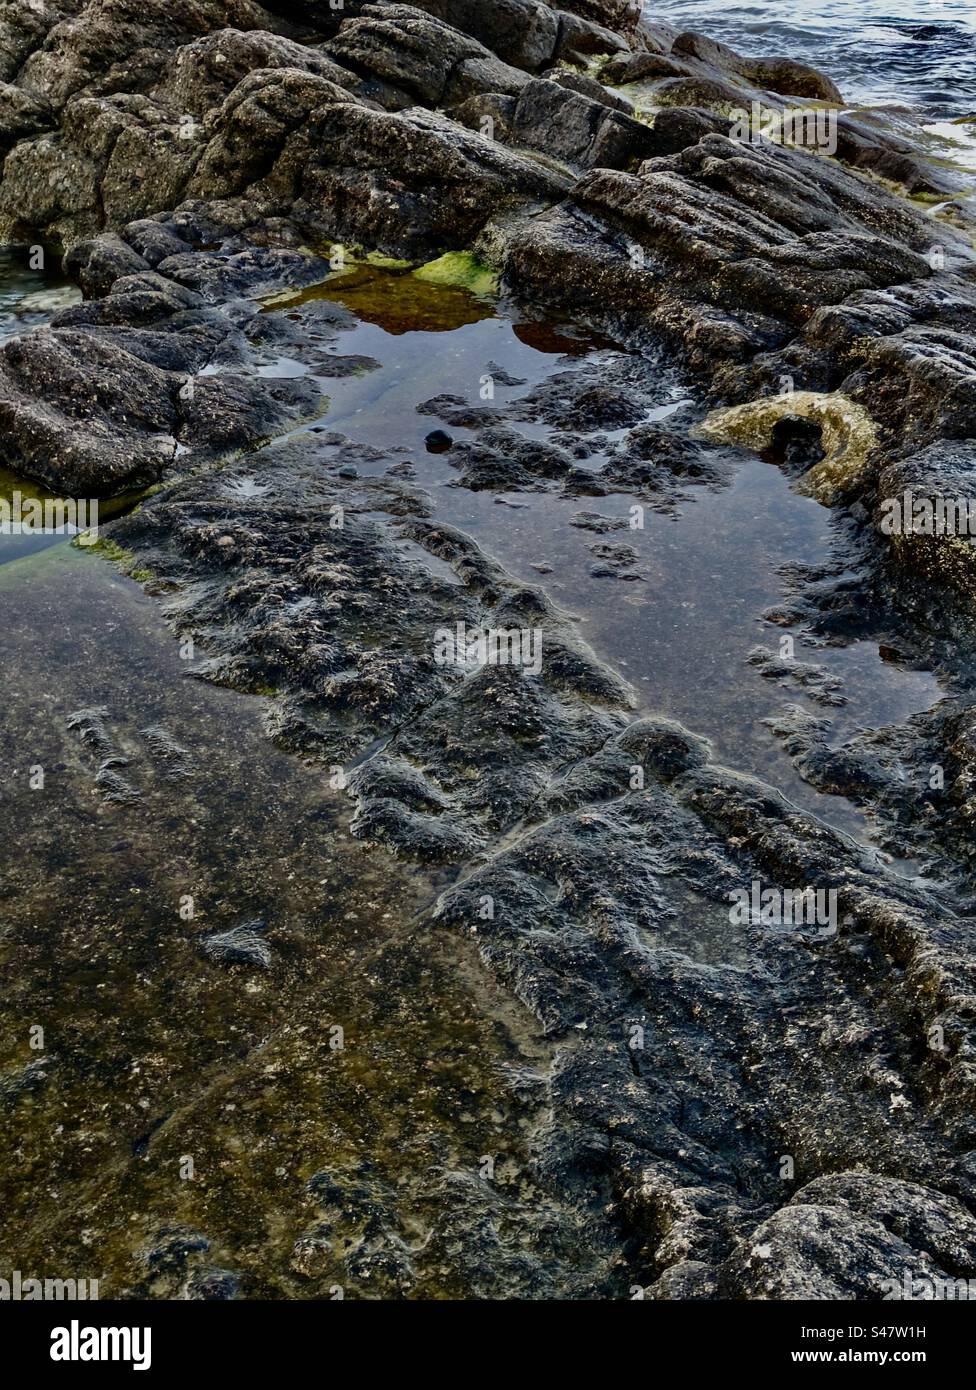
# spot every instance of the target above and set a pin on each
(120, 557)
(382, 262)
(398, 300)
(459, 270)
(848, 433)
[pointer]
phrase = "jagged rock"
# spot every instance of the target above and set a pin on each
(154, 241)
(688, 70)
(783, 75)
(942, 548)
(714, 67)
(624, 68)
(202, 74)
(622, 15)
(589, 87)
(863, 144)
(97, 264)
(858, 1236)
(96, 47)
(524, 33)
(411, 183)
(581, 40)
(255, 123)
(574, 128)
(94, 412)
(731, 247)
(22, 113)
(674, 128)
(433, 62)
(907, 353)
(84, 414)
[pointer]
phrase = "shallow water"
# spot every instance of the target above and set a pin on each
(32, 288)
(680, 631)
(913, 59)
(157, 1055)
(63, 518)
(178, 1098)
(920, 53)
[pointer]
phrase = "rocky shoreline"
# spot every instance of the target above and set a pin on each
(731, 1112)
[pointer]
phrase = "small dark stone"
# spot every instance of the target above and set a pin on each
(438, 442)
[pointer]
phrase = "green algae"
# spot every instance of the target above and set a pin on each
(381, 262)
(459, 270)
(123, 560)
(49, 519)
(402, 300)
(848, 433)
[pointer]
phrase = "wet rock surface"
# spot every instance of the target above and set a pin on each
(708, 1106)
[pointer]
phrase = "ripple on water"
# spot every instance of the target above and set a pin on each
(918, 51)
(31, 293)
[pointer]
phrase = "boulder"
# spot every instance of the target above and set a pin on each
(431, 61)
(577, 129)
(411, 184)
(202, 74)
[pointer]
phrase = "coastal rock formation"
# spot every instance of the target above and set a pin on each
(755, 1112)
